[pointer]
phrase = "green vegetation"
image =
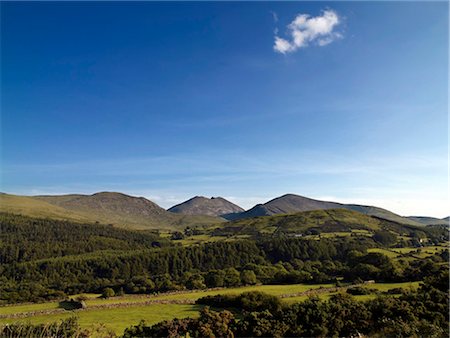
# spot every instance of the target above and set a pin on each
(420, 313)
(114, 276)
(109, 314)
(22, 205)
(48, 259)
(24, 239)
(328, 223)
(114, 319)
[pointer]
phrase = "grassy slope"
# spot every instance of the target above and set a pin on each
(29, 206)
(290, 203)
(53, 207)
(332, 220)
(382, 213)
(429, 220)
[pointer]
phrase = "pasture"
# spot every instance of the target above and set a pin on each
(116, 313)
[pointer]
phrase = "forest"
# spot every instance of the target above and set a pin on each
(44, 259)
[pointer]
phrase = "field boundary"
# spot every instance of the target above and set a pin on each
(162, 301)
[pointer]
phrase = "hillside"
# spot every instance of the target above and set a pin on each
(39, 238)
(314, 221)
(430, 220)
(291, 203)
(199, 205)
(29, 206)
(106, 207)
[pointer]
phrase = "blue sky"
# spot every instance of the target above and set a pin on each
(172, 100)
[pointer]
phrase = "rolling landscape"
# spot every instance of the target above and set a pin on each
(224, 169)
(83, 261)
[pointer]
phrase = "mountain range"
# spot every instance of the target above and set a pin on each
(140, 213)
(103, 207)
(290, 203)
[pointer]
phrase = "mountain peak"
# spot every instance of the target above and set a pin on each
(200, 205)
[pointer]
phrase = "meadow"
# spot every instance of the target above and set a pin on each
(117, 313)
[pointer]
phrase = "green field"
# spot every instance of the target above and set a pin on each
(93, 299)
(386, 252)
(117, 319)
(421, 252)
(388, 286)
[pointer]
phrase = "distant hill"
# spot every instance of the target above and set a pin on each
(199, 205)
(430, 220)
(29, 206)
(321, 221)
(105, 207)
(291, 203)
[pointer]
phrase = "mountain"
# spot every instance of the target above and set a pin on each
(291, 203)
(430, 220)
(199, 205)
(313, 221)
(104, 207)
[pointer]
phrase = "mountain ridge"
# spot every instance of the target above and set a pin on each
(292, 203)
(105, 207)
(430, 220)
(140, 213)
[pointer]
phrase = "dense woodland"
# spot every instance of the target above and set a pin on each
(48, 259)
(24, 239)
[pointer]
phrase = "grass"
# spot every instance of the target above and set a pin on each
(276, 290)
(376, 286)
(117, 319)
(422, 252)
(132, 314)
(29, 206)
(6, 310)
(388, 286)
(198, 239)
(386, 252)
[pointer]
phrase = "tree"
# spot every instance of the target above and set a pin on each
(195, 281)
(385, 238)
(232, 277)
(248, 277)
(215, 278)
(215, 324)
(108, 292)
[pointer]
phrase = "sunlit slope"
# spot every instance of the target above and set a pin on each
(29, 206)
(106, 207)
(291, 203)
(331, 220)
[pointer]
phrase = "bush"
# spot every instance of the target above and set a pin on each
(108, 292)
(248, 301)
(358, 291)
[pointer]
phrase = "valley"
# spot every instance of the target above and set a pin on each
(60, 266)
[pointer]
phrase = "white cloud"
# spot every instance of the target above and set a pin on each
(305, 30)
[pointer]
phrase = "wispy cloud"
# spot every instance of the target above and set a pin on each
(403, 183)
(305, 30)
